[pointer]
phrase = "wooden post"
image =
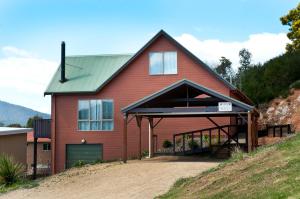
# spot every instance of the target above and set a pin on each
(193, 142)
(209, 138)
(183, 143)
(34, 157)
(125, 138)
(174, 143)
(249, 132)
(201, 141)
(139, 123)
(150, 137)
(219, 137)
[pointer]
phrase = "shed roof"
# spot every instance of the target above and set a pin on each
(13, 131)
(86, 73)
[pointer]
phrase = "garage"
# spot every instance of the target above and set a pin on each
(86, 153)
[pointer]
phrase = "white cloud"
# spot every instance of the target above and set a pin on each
(263, 46)
(11, 51)
(24, 78)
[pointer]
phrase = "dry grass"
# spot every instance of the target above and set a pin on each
(270, 172)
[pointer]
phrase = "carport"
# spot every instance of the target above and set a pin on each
(185, 99)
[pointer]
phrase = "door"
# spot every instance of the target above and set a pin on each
(84, 153)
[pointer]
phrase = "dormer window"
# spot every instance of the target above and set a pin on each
(163, 63)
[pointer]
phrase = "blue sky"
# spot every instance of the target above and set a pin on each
(123, 26)
(31, 32)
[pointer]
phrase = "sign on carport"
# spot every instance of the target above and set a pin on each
(225, 106)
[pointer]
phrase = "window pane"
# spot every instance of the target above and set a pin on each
(107, 125)
(84, 126)
(156, 63)
(170, 63)
(95, 109)
(107, 109)
(95, 126)
(83, 108)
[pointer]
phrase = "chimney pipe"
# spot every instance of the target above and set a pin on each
(62, 63)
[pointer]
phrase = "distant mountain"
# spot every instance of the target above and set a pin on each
(11, 113)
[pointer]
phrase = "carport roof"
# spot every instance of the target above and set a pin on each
(173, 96)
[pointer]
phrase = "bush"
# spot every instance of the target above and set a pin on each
(167, 144)
(193, 144)
(145, 153)
(10, 171)
(79, 163)
(295, 85)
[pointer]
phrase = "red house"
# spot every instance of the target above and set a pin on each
(110, 107)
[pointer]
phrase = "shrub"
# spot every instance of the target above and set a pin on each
(10, 171)
(145, 153)
(295, 85)
(193, 144)
(79, 163)
(167, 144)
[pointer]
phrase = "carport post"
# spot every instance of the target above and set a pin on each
(150, 137)
(139, 123)
(125, 117)
(249, 132)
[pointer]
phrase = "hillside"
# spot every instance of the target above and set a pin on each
(283, 110)
(270, 172)
(11, 113)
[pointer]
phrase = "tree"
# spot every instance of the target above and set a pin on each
(245, 61)
(14, 125)
(292, 19)
(224, 69)
(30, 121)
(245, 58)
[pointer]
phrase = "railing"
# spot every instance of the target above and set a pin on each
(275, 130)
(205, 139)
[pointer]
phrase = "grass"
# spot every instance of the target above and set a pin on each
(24, 183)
(269, 172)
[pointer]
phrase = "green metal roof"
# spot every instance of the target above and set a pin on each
(87, 73)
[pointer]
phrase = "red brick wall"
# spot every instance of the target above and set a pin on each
(43, 157)
(130, 85)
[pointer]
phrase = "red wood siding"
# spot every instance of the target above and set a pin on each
(130, 85)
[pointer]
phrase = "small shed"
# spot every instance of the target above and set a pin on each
(13, 142)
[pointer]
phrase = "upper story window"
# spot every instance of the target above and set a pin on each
(161, 63)
(95, 115)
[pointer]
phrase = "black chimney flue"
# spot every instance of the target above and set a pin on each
(62, 63)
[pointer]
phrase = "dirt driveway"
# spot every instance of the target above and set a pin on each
(136, 179)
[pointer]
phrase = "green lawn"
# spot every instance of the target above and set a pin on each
(270, 172)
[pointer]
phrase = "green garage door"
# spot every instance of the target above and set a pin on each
(88, 153)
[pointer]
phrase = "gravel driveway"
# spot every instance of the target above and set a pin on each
(136, 179)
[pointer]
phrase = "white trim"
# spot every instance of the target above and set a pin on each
(101, 119)
(13, 131)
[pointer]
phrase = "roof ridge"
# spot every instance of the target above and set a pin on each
(102, 55)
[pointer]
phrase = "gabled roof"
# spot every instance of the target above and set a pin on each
(91, 73)
(193, 85)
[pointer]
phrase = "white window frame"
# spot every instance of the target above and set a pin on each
(101, 115)
(163, 63)
(48, 144)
